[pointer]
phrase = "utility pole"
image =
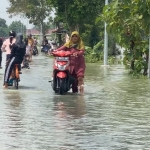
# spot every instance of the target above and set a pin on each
(105, 42)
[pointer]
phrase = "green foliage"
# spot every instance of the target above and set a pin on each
(3, 23)
(94, 35)
(36, 11)
(81, 15)
(3, 28)
(3, 32)
(91, 56)
(17, 26)
(77, 13)
(91, 35)
(96, 54)
(135, 56)
(129, 21)
(46, 27)
(17, 7)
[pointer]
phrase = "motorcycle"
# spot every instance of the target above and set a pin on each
(45, 48)
(62, 79)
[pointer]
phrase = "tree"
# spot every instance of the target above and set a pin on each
(18, 7)
(46, 26)
(80, 15)
(3, 23)
(35, 11)
(3, 28)
(129, 23)
(18, 27)
(3, 32)
(77, 13)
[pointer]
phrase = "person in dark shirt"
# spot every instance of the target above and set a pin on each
(1, 43)
(16, 57)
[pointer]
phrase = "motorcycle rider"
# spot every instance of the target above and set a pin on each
(77, 61)
(16, 57)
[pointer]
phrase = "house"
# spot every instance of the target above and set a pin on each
(35, 32)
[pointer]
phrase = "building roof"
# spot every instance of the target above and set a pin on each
(36, 32)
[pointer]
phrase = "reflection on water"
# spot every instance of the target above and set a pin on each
(13, 99)
(12, 125)
(112, 115)
(70, 106)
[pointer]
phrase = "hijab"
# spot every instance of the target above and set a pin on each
(79, 43)
(19, 41)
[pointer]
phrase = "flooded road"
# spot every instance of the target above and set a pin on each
(114, 113)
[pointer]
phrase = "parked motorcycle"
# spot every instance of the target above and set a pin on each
(62, 79)
(45, 48)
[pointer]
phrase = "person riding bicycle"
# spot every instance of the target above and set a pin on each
(16, 57)
(77, 61)
(7, 44)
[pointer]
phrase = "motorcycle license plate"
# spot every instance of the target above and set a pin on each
(62, 58)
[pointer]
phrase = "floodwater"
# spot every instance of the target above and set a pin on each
(113, 114)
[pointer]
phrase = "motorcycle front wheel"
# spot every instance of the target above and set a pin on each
(61, 86)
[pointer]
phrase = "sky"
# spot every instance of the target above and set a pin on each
(5, 15)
